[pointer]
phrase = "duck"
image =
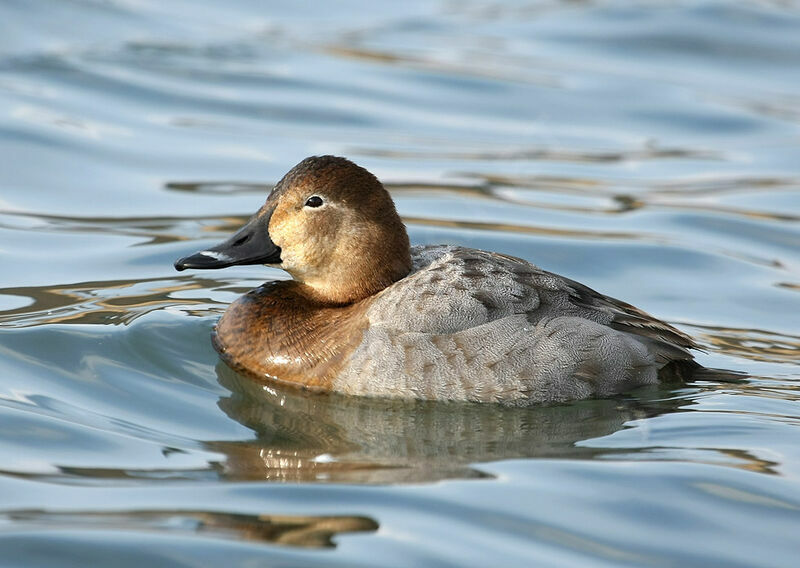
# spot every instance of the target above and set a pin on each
(367, 314)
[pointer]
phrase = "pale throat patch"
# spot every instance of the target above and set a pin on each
(215, 255)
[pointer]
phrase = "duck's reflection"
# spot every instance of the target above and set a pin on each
(305, 437)
(305, 531)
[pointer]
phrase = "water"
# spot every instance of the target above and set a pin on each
(647, 149)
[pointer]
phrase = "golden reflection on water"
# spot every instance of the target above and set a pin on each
(739, 459)
(648, 152)
(492, 67)
(689, 195)
(524, 229)
(100, 302)
(287, 530)
(755, 344)
(153, 230)
(750, 462)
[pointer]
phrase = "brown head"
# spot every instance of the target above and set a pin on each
(330, 224)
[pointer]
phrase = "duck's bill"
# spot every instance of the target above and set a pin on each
(250, 245)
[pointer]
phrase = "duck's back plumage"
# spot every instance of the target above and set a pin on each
(474, 325)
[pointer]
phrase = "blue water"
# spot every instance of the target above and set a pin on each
(647, 149)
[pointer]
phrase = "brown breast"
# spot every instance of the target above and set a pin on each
(279, 332)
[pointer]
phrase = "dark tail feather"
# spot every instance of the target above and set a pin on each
(718, 375)
(686, 371)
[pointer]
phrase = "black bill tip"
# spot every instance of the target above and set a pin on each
(203, 260)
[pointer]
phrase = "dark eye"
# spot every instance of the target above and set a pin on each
(314, 201)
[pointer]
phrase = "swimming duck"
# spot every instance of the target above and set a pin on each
(366, 314)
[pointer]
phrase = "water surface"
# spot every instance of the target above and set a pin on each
(646, 149)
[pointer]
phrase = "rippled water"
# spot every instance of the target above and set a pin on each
(647, 149)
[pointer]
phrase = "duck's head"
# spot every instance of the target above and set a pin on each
(330, 224)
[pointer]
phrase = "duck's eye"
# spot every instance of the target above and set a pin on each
(314, 201)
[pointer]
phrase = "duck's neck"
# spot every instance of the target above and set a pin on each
(281, 331)
(351, 275)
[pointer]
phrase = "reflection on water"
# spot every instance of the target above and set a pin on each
(301, 437)
(104, 303)
(549, 154)
(309, 532)
(218, 187)
(755, 344)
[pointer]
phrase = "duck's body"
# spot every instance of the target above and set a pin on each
(436, 322)
(463, 325)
